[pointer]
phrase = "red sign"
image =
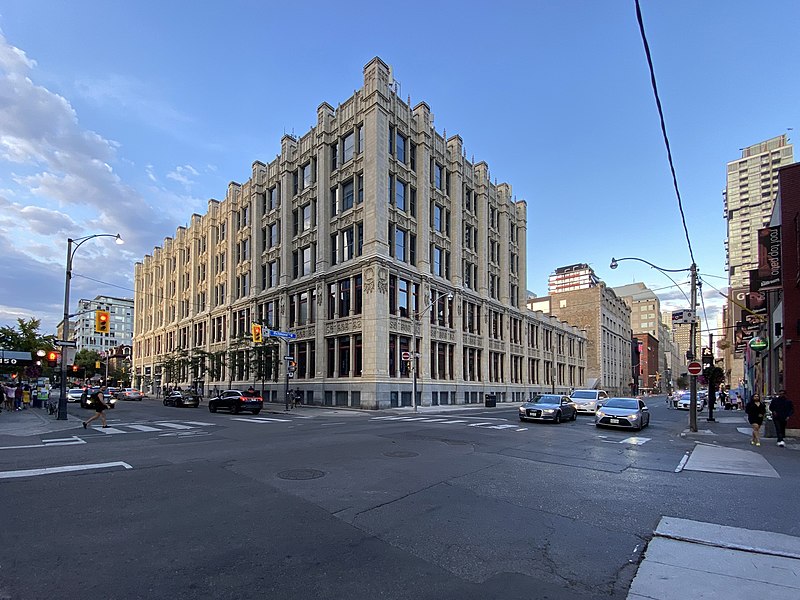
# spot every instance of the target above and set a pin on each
(694, 367)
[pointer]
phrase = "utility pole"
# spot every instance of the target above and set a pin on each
(712, 382)
(693, 350)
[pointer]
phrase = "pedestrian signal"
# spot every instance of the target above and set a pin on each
(255, 330)
(102, 321)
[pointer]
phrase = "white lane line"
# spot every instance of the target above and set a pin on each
(65, 469)
(270, 420)
(502, 427)
(456, 421)
(681, 464)
(201, 423)
(64, 441)
(522, 429)
(143, 428)
(259, 421)
(174, 425)
(478, 424)
(107, 430)
(433, 420)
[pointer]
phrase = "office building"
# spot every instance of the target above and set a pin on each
(370, 238)
(572, 277)
(82, 329)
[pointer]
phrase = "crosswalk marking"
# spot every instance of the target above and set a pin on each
(479, 424)
(261, 420)
(175, 426)
(143, 428)
(201, 423)
(433, 420)
(502, 427)
(108, 430)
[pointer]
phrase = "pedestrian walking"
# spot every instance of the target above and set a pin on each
(99, 405)
(18, 397)
(739, 401)
(781, 408)
(8, 397)
(756, 411)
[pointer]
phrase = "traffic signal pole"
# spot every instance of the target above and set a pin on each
(693, 350)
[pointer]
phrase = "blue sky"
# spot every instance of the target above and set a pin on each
(129, 116)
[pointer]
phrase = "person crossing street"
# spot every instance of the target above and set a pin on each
(781, 408)
(98, 402)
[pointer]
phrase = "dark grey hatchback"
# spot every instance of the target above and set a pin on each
(549, 407)
(235, 401)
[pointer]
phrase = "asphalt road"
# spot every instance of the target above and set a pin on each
(324, 504)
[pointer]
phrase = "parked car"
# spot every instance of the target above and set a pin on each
(236, 401)
(129, 394)
(180, 399)
(86, 400)
(549, 407)
(74, 394)
(629, 413)
(587, 401)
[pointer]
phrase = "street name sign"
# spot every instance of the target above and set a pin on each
(282, 334)
(287, 357)
(694, 367)
(67, 343)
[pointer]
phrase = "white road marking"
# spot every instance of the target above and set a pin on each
(271, 420)
(478, 424)
(456, 421)
(433, 420)
(637, 441)
(143, 428)
(174, 425)
(65, 469)
(64, 441)
(681, 464)
(201, 423)
(107, 430)
(502, 427)
(522, 429)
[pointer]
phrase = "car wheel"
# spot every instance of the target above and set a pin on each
(212, 408)
(521, 419)
(256, 411)
(165, 402)
(558, 418)
(234, 410)
(574, 415)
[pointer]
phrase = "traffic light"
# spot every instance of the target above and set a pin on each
(255, 330)
(74, 368)
(102, 321)
(52, 358)
(292, 366)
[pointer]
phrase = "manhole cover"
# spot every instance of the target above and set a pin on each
(401, 454)
(300, 474)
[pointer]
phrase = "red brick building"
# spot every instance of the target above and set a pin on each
(648, 361)
(787, 347)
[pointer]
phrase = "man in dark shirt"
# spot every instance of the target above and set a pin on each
(781, 408)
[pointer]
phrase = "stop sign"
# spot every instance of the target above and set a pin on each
(694, 367)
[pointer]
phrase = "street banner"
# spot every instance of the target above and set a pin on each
(756, 300)
(769, 258)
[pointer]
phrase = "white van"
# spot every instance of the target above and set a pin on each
(588, 401)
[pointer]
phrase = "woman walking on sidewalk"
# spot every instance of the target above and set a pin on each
(756, 411)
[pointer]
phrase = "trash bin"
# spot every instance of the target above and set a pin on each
(490, 401)
(769, 428)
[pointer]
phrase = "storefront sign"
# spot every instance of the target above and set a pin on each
(769, 258)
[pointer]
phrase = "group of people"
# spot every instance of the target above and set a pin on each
(781, 409)
(17, 397)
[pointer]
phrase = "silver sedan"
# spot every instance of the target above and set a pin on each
(628, 413)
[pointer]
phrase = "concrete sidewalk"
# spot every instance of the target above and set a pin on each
(690, 559)
(33, 421)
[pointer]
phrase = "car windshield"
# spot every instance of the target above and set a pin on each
(622, 403)
(584, 395)
(547, 399)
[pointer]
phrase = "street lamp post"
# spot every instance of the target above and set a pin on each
(692, 326)
(414, 355)
(62, 399)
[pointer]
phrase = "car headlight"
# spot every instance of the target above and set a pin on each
(600, 413)
(634, 416)
(548, 411)
(521, 409)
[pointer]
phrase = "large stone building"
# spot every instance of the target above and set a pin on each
(369, 219)
(607, 321)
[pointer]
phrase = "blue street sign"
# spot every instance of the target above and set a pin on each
(282, 334)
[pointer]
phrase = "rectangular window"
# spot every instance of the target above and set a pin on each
(400, 244)
(307, 260)
(400, 195)
(360, 131)
(436, 260)
(273, 198)
(402, 297)
(307, 217)
(347, 195)
(357, 291)
(360, 197)
(334, 248)
(307, 175)
(437, 217)
(437, 175)
(348, 243)
(344, 297)
(348, 144)
(400, 148)
(360, 235)
(334, 156)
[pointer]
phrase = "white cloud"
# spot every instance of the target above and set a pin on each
(183, 175)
